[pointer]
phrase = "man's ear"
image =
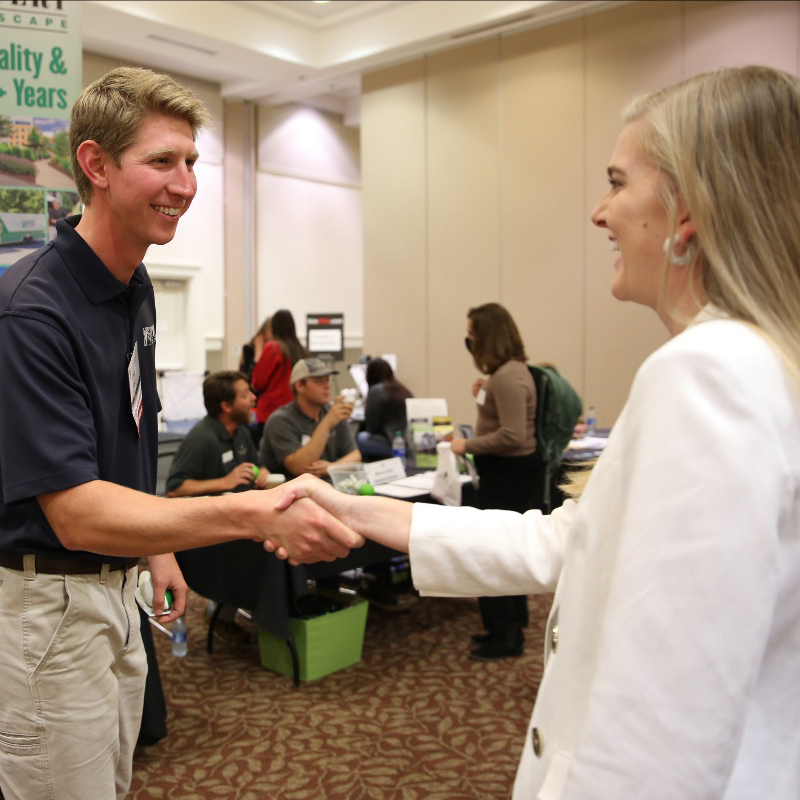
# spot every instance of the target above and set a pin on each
(226, 407)
(92, 159)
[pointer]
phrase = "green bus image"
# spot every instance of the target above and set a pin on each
(22, 228)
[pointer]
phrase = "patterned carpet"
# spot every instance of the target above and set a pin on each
(414, 720)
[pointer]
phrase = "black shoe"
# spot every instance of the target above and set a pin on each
(500, 647)
(481, 638)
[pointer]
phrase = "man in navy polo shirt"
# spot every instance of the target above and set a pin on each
(78, 406)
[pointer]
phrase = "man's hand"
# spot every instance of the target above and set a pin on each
(318, 468)
(166, 574)
(383, 519)
(304, 530)
(339, 410)
(262, 481)
(240, 475)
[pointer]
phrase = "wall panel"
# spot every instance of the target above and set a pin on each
(543, 170)
(395, 220)
(463, 130)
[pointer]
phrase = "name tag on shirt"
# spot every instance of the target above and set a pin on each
(480, 398)
(304, 440)
(135, 386)
(227, 456)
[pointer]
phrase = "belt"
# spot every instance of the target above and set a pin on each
(55, 565)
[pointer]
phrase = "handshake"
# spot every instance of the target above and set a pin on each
(311, 521)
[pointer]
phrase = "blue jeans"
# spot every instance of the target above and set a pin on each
(372, 448)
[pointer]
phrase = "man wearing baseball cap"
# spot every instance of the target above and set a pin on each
(310, 433)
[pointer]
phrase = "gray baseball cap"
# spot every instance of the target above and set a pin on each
(310, 368)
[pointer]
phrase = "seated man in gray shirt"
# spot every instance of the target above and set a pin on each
(310, 433)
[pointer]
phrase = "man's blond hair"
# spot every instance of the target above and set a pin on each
(110, 112)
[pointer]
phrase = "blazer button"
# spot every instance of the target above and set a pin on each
(554, 638)
(536, 739)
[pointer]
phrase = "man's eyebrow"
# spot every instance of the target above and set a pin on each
(168, 151)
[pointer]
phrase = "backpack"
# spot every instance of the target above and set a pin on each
(558, 408)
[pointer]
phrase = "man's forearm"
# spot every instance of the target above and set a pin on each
(195, 488)
(105, 518)
(353, 457)
(311, 451)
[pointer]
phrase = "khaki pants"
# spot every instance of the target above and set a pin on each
(72, 674)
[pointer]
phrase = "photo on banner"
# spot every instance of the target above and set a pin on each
(41, 75)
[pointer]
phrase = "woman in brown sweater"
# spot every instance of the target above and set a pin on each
(504, 446)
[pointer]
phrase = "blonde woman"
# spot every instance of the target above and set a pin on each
(673, 655)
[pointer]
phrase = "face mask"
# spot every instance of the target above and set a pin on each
(468, 343)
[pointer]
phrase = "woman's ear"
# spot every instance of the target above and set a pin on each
(685, 230)
(92, 160)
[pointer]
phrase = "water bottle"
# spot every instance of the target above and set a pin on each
(179, 644)
(399, 446)
(591, 421)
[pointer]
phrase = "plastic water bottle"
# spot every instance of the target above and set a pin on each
(179, 645)
(591, 421)
(399, 446)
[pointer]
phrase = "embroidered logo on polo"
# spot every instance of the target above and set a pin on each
(149, 335)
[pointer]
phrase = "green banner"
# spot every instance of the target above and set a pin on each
(41, 75)
(40, 57)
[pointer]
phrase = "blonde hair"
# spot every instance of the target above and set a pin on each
(728, 144)
(110, 111)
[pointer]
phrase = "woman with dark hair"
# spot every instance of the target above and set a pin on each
(504, 445)
(270, 377)
(251, 351)
(384, 411)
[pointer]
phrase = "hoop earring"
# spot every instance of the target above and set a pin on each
(674, 258)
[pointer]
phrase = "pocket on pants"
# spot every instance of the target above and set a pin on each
(20, 744)
(46, 610)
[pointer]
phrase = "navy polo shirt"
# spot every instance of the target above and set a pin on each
(67, 331)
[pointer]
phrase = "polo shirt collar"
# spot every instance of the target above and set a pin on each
(87, 269)
(323, 411)
(220, 429)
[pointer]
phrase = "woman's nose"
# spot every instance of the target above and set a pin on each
(598, 213)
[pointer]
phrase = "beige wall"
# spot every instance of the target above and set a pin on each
(308, 217)
(480, 167)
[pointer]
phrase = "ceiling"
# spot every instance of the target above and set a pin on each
(281, 51)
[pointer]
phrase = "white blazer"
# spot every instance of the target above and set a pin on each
(672, 659)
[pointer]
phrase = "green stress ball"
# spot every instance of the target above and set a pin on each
(256, 470)
(366, 488)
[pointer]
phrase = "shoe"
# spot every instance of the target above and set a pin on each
(500, 647)
(228, 631)
(481, 638)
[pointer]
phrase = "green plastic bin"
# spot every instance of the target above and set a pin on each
(325, 644)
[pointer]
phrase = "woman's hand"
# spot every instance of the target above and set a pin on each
(321, 492)
(383, 519)
(477, 386)
(459, 445)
